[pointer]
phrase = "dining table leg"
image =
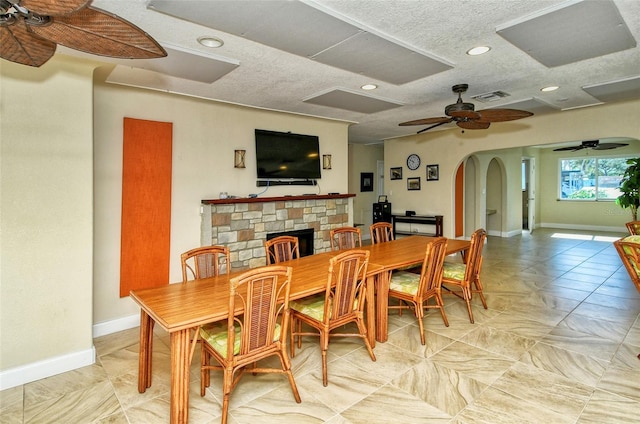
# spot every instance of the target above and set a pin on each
(180, 362)
(382, 305)
(145, 355)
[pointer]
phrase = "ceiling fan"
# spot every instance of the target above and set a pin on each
(591, 144)
(31, 29)
(465, 116)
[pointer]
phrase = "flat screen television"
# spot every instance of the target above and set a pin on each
(281, 155)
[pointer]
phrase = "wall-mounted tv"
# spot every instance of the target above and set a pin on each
(286, 155)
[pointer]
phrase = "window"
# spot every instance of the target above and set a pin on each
(591, 178)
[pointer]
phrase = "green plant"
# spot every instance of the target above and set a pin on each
(630, 188)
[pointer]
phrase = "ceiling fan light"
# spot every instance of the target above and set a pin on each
(549, 88)
(478, 50)
(211, 42)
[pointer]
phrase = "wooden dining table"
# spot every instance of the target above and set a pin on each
(179, 308)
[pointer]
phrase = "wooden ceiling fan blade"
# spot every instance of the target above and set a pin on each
(97, 32)
(473, 125)
(20, 46)
(54, 7)
(502, 115)
(569, 149)
(464, 114)
(608, 146)
(427, 121)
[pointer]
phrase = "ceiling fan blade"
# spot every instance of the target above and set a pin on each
(473, 125)
(569, 149)
(97, 32)
(464, 114)
(608, 146)
(54, 7)
(20, 46)
(427, 121)
(433, 126)
(502, 115)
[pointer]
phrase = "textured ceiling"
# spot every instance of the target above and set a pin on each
(312, 57)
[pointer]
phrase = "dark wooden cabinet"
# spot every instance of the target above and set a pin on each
(420, 221)
(381, 212)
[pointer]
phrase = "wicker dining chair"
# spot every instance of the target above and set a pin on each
(342, 302)
(282, 248)
(633, 227)
(415, 290)
(345, 238)
(466, 276)
(629, 250)
(205, 262)
(238, 343)
(381, 232)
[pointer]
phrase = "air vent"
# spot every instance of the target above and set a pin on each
(490, 97)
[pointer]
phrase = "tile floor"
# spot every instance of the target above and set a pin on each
(558, 344)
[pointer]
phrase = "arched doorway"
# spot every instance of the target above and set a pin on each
(495, 209)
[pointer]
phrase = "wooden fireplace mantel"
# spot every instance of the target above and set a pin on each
(275, 199)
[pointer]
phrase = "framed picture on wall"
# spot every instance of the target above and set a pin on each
(433, 173)
(366, 181)
(413, 183)
(396, 173)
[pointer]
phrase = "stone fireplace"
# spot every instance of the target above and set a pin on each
(243, 224)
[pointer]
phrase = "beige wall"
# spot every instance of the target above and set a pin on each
(364, 159)
(205, 135)
(60, 234)
(61, 198)
(508, 141)
(46, 220)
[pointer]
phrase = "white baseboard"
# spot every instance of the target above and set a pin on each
(512, 233)
(42, 369)
(583, 227)
(115, 325)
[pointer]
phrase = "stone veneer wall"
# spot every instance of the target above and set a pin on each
(243, 227)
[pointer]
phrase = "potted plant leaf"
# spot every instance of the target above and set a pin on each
(630, 188)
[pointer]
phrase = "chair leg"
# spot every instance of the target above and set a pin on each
(286, 366)
(440, 304)
(420, 316)
(467, 298)
(478, 286)
(363, 332)
(227, 386)
(292, 338)
(324, 346)
(205, 372)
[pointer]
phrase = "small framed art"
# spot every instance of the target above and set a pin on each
(413, 183)
(366, 181)
(433, 173)
(396, 173)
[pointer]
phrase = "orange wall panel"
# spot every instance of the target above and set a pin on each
(459, 202)
(146, 204)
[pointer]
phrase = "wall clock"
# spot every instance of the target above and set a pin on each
(413, 162)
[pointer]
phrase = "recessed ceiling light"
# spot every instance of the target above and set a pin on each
(369, 87)
(549, 88)
(209, 41)
(478, 50)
